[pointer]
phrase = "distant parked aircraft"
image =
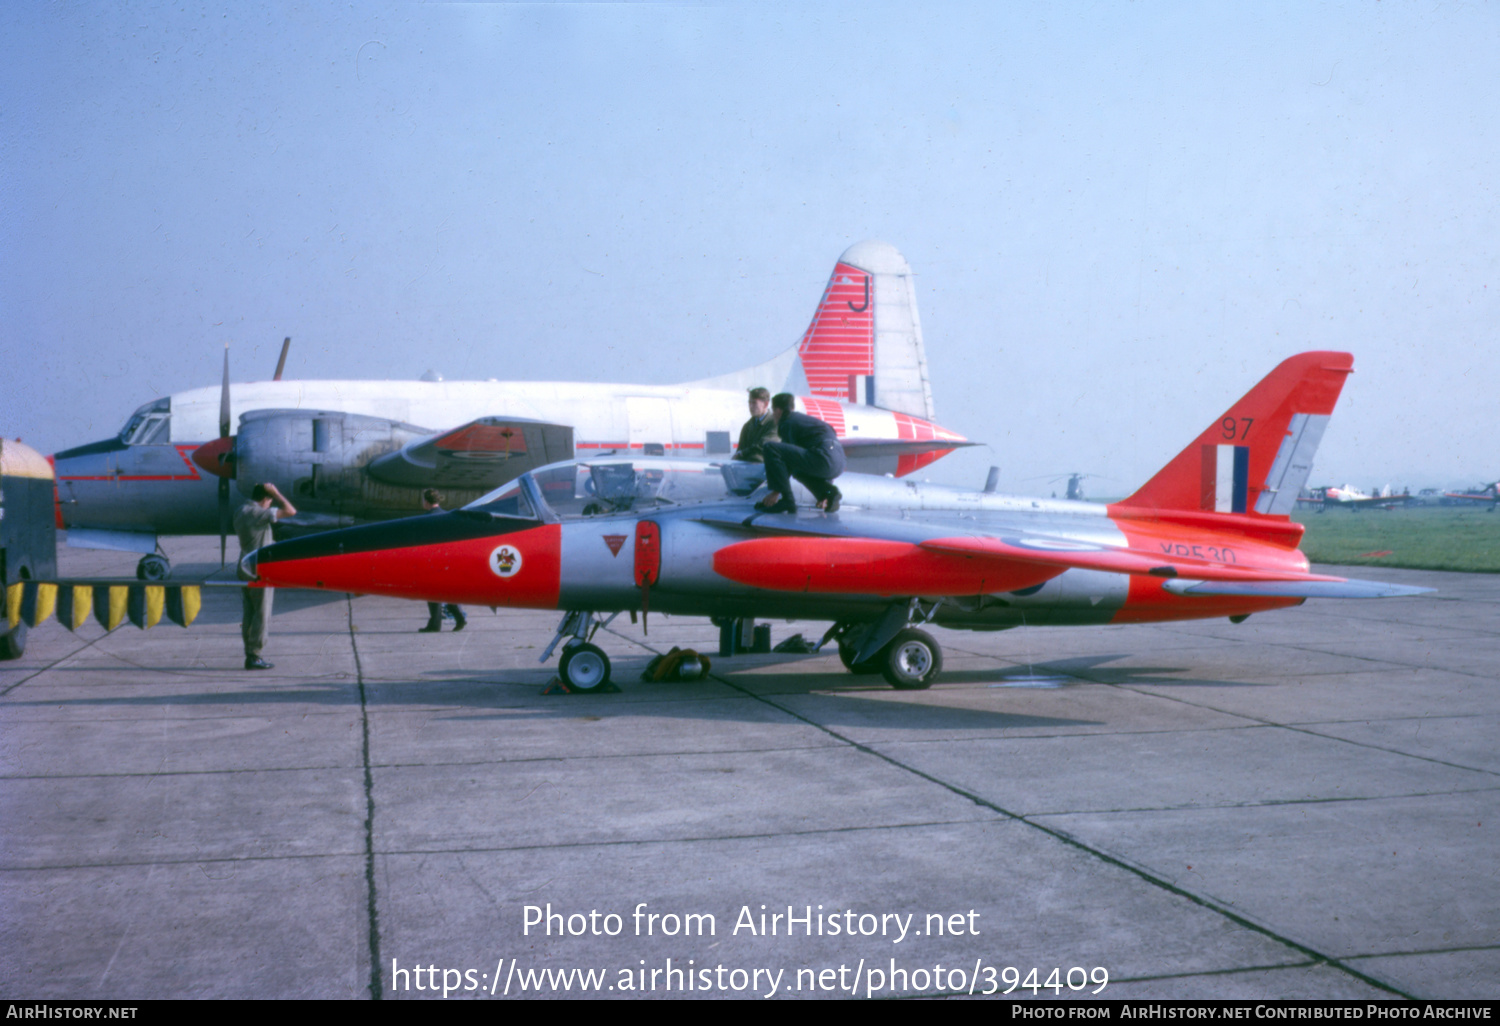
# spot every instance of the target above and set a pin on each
(1489, 493)
(1353, 499)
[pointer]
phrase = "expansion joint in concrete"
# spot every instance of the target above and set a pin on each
(56, 662)
(372, 910)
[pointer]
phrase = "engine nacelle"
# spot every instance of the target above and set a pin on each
(318, 459)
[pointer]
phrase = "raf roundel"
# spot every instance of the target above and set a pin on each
(505, 561)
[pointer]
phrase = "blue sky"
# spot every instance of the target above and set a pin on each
(1120, 215)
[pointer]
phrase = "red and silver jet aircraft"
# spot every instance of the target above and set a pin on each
(1208, 536)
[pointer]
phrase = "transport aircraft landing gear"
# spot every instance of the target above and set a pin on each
(12, 640)
(583, 667)
(153, 567)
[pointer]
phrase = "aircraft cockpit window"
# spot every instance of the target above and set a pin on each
(507, 502)
(589, 489)
(149, 425)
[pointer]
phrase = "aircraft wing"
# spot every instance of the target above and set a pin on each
(1386, 501)
(483, 453)
(1185, 575)
(823, 554)
(1070, 554)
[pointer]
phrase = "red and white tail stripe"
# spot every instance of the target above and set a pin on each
(828, 411)
(838, 349)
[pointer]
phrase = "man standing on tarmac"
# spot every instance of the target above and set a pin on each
(435, 610)
(759, 429)
(253, 526)
(809, 450)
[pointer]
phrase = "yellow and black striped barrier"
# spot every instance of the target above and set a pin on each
(111, 602)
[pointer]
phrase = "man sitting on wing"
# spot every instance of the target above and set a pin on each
(759, 429)
(809, 450)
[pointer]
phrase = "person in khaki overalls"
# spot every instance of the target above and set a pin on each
(253, 526)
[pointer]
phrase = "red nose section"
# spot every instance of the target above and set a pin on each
(519, 569)
(869, 566)
(214, 456)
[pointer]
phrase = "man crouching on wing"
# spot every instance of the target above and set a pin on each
(809, 450)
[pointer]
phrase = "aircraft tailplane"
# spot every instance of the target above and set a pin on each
(1255, 459)
(864, 344)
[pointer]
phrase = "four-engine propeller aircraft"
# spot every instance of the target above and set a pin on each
(1210, 535)
(351, 451)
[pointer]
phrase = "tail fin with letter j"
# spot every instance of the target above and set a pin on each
(864, 344)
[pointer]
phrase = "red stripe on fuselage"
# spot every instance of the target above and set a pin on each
(184, 451)
(456, 571)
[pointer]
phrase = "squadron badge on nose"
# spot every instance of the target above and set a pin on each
(505, 561)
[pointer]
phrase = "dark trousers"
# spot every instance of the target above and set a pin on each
(815, 469)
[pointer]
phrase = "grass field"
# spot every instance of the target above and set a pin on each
(1422, 538)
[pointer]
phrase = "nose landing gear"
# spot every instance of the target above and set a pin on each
(583, 667)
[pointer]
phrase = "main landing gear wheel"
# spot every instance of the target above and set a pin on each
(870, 665)
(912, 661)
(584, 667)
(153, 567)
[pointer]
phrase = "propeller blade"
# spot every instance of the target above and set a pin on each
(286, 344)
(224, 425)
(225, 520)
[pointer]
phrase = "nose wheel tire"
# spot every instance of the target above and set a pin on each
(584, 667)
(912, 661)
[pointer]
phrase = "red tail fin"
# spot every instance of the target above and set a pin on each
(1256, 458)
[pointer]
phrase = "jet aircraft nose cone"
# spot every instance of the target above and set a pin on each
(249, 565)
(216, 457)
